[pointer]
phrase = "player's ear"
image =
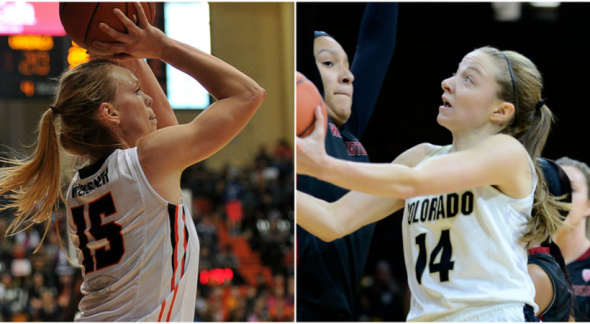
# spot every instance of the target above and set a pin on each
(502, 112)
(109, 113)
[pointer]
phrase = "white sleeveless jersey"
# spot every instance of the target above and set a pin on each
(139, 254)
(461, 251)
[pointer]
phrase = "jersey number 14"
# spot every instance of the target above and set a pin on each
(444, 248)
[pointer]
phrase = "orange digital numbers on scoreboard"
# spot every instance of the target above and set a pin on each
(35, 63)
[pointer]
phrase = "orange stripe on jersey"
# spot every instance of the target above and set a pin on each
(162, 310)
(185, 242)
(172, 304)
(175, 254)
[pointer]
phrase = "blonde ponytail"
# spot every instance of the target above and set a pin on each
(33, 185)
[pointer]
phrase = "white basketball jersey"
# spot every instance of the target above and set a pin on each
(461, 251)
(139, 254)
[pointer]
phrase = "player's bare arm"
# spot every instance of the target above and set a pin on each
(355, 209)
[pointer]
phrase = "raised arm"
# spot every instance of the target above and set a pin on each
(166, 152)
(238, 96)
(375, 47)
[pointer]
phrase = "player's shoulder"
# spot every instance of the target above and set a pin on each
(501, 142)
(412, 156)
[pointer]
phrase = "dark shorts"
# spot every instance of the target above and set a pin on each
(529, 314)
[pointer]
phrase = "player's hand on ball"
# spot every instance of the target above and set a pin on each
(311, 150)
(141, 41)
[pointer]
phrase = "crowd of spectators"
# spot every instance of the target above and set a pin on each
(255, 202)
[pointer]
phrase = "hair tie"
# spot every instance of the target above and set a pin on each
(53, 110)
(513, 82)
(540, 104)
(319, 33)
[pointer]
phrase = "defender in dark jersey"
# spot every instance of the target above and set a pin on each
(574, 242)
(560, 307)
(329, 274)
(546, 266)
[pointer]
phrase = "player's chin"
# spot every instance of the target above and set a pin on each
(339, 111)
(451, 124)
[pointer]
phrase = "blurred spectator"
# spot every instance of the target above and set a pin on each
(227, 259)
(207, 232)
(50, 310)
(205, 258)
(233, 205)
(260, 312)
(263, 158)
(284, 159)
(21, 263)
(13, 299)
(29, 239)
(381, 297)
(35, 292)
(239, 313)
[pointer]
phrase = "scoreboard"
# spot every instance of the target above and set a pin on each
(33, 49)
(30, 64)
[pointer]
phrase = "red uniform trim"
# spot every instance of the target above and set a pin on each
(162, 310)
(584, 256)
(539, 249)
(172, 304)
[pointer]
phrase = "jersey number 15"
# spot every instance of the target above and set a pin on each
(101, 257)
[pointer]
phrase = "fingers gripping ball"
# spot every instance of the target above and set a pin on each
(80, 19)
(308, 98)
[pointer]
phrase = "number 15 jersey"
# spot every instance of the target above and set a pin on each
(138, 253)
(461, 251)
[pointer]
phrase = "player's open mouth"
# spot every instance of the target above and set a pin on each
(446, 103)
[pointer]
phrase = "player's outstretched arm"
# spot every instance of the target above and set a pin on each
(498, 160)
(330, 221)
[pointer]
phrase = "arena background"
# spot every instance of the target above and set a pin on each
(246, 266)
(432, 39)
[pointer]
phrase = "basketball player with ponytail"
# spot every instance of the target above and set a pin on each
(468, 218)
(136, 242)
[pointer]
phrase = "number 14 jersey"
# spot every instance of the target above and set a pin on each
(138, 253)
(461, 251)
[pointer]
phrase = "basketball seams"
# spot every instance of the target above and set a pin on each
(90, 23)
(301, 81)
(62, 7)
(81, 19)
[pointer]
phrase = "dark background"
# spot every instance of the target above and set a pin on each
(432, 39)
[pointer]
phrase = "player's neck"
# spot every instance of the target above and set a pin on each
(572, 242)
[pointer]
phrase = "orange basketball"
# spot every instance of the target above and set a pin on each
(81, 19)
(308, 98)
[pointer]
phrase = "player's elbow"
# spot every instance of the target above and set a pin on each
(253, 95)
(411, 186)
(406, 191)
(330, 235)
(332, 228)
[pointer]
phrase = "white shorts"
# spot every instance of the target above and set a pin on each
(512, 312)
